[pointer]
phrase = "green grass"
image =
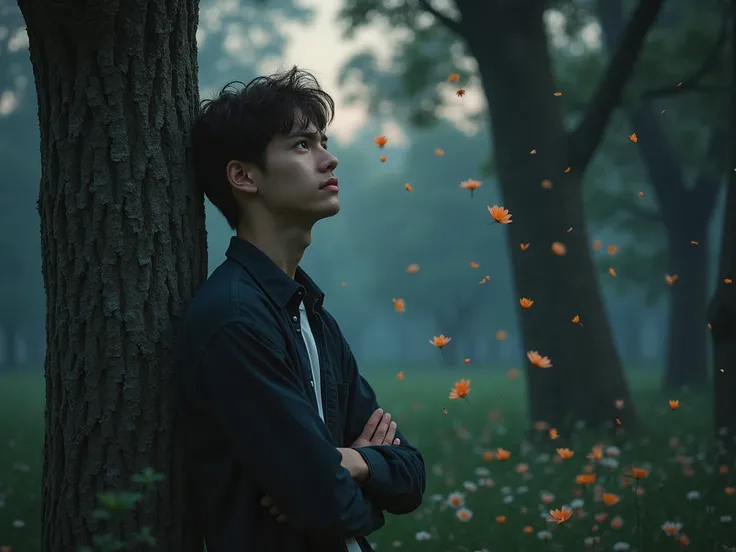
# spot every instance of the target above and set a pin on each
(453, 443)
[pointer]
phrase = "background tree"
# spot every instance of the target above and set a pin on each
(682, 143)
(722, 312)
(508, 44)
(123, 248)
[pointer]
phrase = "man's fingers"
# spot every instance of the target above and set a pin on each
(397, 441)
(382, 429)
(390, 434)
(371, 425)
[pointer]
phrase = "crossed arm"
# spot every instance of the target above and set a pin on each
(256, 399)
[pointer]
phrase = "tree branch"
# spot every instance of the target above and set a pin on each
(692, 83)
(584, 140)
(452, 24)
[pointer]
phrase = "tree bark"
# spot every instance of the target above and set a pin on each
(722, 312)
(123, 248)
(586, 378)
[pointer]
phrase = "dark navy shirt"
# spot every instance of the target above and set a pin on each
(252, 423)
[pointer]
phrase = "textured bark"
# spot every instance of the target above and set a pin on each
(123, 249)
(722, 313)
(586, 378)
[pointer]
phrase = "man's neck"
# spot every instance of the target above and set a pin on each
(284, 246)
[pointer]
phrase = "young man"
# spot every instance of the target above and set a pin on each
(287, 448)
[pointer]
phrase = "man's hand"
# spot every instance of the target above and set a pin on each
(378, 431)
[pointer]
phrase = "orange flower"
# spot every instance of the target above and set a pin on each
(501, 335)
(533, 152)
(576, 319)
(633, 138)
(528, 529)
(558, 94)
(561, 515)
(454, 77)
(639, 473)
(484, 279)
(694, 243)
(487, 455)
(611, 271)
(674, 404)
(439, 152)
(568, 169)
(730, 491)
(501, 519)
(412, 268)
(400, 376)
(559, 248)
(382, 159)
(541, 426)
(671, 279)
(440, 341)
(565, 453)
(473, 264)
(408, 187)
(460, 390)
(380, 141)
(502, 454)
(512, 374)
(553, 434)
(612, 249)
(470, 184)
(524, 246)
(538, 360)
(609, 499)
(547, 184)
(596, 244)
(596, 452)
(727, 281)
(499, 214)
(525, 303)
(460, 92)
(399, 305)
(585, 479)
(467, 360)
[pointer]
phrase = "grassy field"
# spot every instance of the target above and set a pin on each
(474, 502)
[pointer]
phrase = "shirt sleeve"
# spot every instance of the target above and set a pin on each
(257, 400)
(397, 479)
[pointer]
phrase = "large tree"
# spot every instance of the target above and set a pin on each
(510, 46)
(123, 249)
(684, 208)
(722, 314)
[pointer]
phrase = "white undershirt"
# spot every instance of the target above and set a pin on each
(308, 336)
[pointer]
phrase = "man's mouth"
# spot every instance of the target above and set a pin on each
(331, 184)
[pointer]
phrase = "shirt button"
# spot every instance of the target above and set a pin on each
(294, 318)
(311, 382)
(298, 330)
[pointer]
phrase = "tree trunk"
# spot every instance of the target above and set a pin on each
(687, 333)
(586, 378)
(123, 249)
(722, 313)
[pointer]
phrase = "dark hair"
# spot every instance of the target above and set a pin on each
(239, 123)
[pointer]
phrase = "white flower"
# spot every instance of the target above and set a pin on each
(726, 519)
(610, 463)
(464, 514)
(437, 497)
(693, 495)
(522, 489)
(470, 486)
(621, 547)
(482, 471)
(423, 536)
(545, 535)
(19, 524)
(456, 499)
(613, 451)
(505, 490)
(508, 499)
(577, 503)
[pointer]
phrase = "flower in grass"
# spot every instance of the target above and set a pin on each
(671, 528)
(560, 515)
(464, 514)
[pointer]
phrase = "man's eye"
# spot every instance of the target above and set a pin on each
(306, 145)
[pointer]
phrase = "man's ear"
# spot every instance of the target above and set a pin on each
(241, 176)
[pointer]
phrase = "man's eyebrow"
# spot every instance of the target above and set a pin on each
(307, 134)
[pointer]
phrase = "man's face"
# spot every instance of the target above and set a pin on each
(295, 183)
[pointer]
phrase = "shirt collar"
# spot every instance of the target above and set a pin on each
(275, 282)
